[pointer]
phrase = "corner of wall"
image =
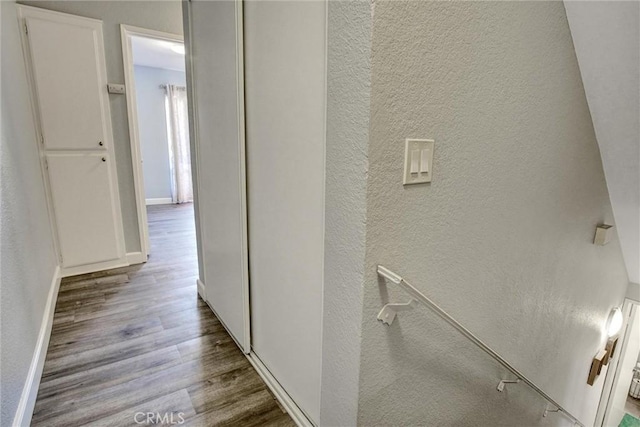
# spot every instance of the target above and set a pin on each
(347, 142)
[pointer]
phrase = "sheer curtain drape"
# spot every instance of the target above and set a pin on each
(178, 133)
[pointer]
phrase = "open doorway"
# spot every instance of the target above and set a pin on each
(621, 394)
(157, 102)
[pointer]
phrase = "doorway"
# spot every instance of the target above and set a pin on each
(620, 403)
(157, 104)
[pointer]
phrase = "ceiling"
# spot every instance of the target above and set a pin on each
(157, 53)
(606, 36)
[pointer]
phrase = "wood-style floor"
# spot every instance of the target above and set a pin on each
(138, 340)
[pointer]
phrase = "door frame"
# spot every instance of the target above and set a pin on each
(126, 33)
(24, 12)
(629, 308)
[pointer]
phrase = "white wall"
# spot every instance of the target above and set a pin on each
(27, 260)
(152, 124)
(158, 15)
(285, 138)
(348, 102)
(502, 237)
(606, 36)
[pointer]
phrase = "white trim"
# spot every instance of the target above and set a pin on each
(324, 196)
(193, 134)
(126, 31)
(202, 291)
(280, 393)
(90, 268)
(158, 201)
(243, 173)
(136, 258)
(30, 391)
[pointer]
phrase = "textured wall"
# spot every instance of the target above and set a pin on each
(27, 258)
(348, 101)
(606, 36)
(502, 237)
(152, 123)
(156, 15)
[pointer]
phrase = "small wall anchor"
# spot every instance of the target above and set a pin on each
(502, 383)
(550, 409)
(388, 313)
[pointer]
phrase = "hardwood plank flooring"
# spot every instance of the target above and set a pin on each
(138, 339)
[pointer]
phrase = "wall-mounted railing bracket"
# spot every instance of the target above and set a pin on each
(502, 383)
(388, 313)
(550, 409)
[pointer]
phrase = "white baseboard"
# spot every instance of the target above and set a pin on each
(90, 268)
(30, 390)
(161, 201)
(201, 290)
(283, 397)
(136, 258)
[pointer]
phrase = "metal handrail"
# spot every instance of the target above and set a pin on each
(388, 312)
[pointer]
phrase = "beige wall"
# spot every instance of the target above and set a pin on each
(502, 237)
(156, 15)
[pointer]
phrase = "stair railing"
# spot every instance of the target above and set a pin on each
(388, 314)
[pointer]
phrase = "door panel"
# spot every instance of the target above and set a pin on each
(82, 200)
(285, 105)
(215, 37)
(69, 84)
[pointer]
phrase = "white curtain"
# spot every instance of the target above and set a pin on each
(178, 133)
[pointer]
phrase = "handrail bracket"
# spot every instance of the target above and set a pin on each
(388, 313)
(502, 383)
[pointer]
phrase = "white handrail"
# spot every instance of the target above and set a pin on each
(388, 313)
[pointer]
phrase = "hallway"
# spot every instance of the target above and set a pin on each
(138, 340)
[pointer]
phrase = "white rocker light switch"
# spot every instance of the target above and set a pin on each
(418, 161)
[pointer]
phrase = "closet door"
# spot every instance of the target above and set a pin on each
(214, 39)
(285, 117)
(65, 58)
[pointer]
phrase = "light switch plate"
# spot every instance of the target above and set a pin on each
(418, 161)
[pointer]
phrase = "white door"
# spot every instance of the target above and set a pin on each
(285, 118)
(215, 84)
(68, 74)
